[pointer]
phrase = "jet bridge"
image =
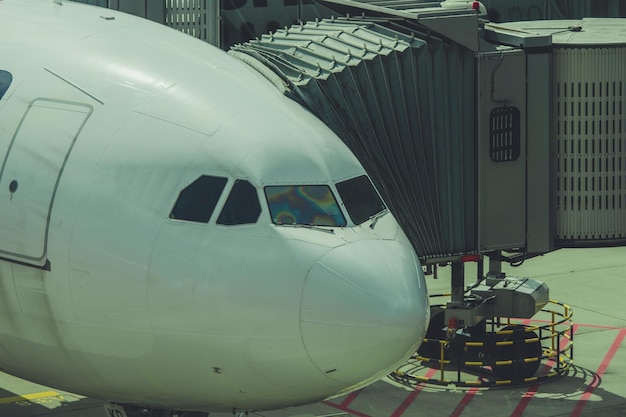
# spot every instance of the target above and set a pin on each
(395, 99)
(483, 138)
(435, 113)
(480, 136)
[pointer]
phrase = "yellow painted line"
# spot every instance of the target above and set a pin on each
(28, 397)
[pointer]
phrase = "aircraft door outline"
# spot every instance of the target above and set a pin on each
(30, 174)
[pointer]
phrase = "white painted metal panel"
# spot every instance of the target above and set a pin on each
(590, 118)
(30, 174)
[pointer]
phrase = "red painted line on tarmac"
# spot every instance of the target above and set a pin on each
(346, 409)
(467, 398)
(346, 402)
(413, 395)
(598, 326)
(528, 395)
(582, 402)
(594, 326)
(532, 390)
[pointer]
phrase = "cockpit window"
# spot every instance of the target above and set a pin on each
(242, 205)
(197, 201)
(360, 198)
(313, 205)
(5, 82)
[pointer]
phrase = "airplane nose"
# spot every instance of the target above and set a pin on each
(364, 310)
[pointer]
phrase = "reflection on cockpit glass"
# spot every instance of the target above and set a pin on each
(360, 198)
(313, 205)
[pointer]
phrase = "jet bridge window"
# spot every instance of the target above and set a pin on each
(242, 205)
(197, 201)
(5, 82)
(360, 198)
(504, 132)
(313, 205)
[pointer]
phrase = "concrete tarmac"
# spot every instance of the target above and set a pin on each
(590, 281)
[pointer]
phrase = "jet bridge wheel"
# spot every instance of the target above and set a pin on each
(497, 352)
(518, 350)
(513, 352)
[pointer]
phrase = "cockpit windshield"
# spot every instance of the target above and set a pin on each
(360, 198)
(313, 205)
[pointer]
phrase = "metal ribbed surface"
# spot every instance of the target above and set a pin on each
(590, 118)
(403, 102)
(188, 16)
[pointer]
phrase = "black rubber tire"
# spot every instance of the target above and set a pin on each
(519, 350)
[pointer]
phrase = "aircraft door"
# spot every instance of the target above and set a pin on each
(30, 173)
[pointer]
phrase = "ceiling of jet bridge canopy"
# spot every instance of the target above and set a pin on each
(403, 101)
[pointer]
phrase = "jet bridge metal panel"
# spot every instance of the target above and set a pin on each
(587, 126)
(403, 101)
(590, 100)
(502, 150)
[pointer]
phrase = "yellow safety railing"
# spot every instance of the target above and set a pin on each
(552, 327)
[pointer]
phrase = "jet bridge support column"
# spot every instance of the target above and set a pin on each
(461, 311)
(458, 283)
(495, 265)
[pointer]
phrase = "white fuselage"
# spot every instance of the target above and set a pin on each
(107, 125)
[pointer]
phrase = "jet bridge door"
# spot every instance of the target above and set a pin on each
(502, 150)
(30, 174)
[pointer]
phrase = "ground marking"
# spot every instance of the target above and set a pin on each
(530, 393)
(578, 409)
(28, 397)
(413, 395)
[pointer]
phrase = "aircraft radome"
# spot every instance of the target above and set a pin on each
(176, 234)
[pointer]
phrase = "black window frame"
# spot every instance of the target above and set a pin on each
(237, 212)
(198, 200)
(6, 78)
(356, 209)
